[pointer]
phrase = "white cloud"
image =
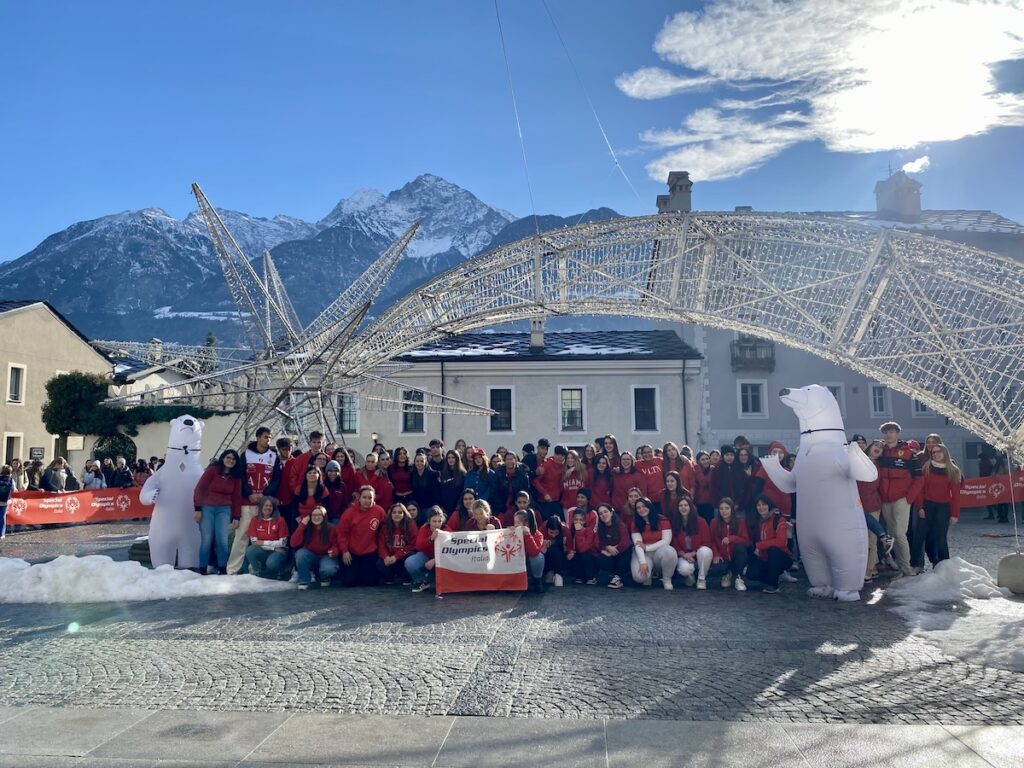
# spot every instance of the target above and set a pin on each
(917, 166)
(870, 76)
(656, 83)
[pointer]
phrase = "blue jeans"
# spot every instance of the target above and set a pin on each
(535, 565)
(874, 526)
(306, 562)
(3, 520)
(264, 562)
(215, 523)
(414, 565)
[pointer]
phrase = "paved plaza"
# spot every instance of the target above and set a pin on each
(576, 661)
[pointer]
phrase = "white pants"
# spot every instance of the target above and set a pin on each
(704, 558)
(662, 562)
(241, 541)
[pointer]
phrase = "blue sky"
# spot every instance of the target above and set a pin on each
(286, 108)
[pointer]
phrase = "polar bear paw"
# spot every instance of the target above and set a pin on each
(825, 592)
(847, 596)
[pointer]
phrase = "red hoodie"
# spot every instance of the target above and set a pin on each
(600, 493)
(400, 544)
(570, 488)
(424, 543)
(356, 533)
(550, 483)
(649, 535)
(623, 482)
(702, 538)
(741, 538)
(939, 488)
(780, 500)
(274, 529)
(899, 476)
(582, 540)
(215, 490)
(292, 475)
(383, 493)
(773, 532)
(623, 544)
(653, 482)
(702, 491)
(531, 541)
(316, 544)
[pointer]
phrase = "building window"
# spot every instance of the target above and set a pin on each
(920, 409)
(645, 409)
(839, 393)
(750, 399)
(571, 409)
(501, 403)
(16, 384)
(348, 414)
(879, 394)
(412, 412)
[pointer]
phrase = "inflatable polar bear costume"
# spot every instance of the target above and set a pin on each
(173, 531)
(832, 532)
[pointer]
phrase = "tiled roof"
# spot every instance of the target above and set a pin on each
(951, 220)
(575, 345)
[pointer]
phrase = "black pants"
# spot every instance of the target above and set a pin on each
(707, 511)
(612, 565)
(734, 566)
(768, 571)
(549, 509)
(362, 572)
(582, 566)
(554, 558)
(930, 535)
(393, 572)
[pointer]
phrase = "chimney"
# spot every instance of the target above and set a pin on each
(537, 334)
(898, 198)
(156, 350)
(678, 198)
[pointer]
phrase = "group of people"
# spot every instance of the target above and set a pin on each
(59, 477)
(594, 515)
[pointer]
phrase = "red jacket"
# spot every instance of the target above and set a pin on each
(532, 542)
(398, 544)
(383, 493)
(781, 501)
(685, 468)
(582, 540)
(870, 498)
(337, 502)
(702, 538)
(570, 488)
(292, 474)
(305, 507)
(550, 483)
(622, 544)
(600, 493)
(315, 545)
(938, 487)
(623, 483)
(401, 479)
(899, 476)
(773, 532)
(650, 536)
(274, 529)
(740, 538)
(215, 490)
(424, 543)
(702, 491)
(357, 531)
(653, 478)
(561, 534)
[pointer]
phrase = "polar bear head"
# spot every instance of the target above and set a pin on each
(816, 408)
(186, 435)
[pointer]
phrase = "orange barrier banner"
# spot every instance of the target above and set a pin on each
(983, 491)
(38, 507)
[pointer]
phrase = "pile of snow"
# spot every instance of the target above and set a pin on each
(98, 579)
(958, 607)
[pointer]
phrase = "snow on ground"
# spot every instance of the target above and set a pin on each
(958, 607)
(98, 579)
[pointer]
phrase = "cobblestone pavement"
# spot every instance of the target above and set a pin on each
(576, 652)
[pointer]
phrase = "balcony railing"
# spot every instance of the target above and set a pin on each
(753, 355)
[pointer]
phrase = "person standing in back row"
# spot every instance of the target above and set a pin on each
(899, 484)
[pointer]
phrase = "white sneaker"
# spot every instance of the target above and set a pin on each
(303, 586)
(787, 576)
(549, 577)
(690, 581)
(727, 581)
(559, 581)
(667, 584)
(702, 583)
(295, 577)
(740, 585)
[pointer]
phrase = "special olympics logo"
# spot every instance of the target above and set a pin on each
(123, 503)
(71, 504)
(17, 507)
(996, 490)
(508, 546)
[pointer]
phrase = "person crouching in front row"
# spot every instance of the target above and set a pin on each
(692, 541)
(526, 521)
(653, 554)
(729, 542)
(771, 548)
(267, 554)
(315, 548)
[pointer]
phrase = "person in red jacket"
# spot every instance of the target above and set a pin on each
(871, 501)
(691, 538)
(653, 554)
(548, 482)
(651, 467)
(729, 542)
(396, 540)
(371, 475)
(462, 516)
(668, 501)
(339, 494)
(899, 484)
(703, 493)
(420, 563)
(611, 546)
(400, 475)
(674, 461)
(772, 555)
(356, 540)
(218, 497)
(579, 548)
(313, 542)
(526, 521)
(348, 473)
(554, 533)
(602, 482)
(310, 493)
(267, 554)
(574, 478)
(481, 518)
(938, 505)
(295, 470)
(627, 477)
(780, 500)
